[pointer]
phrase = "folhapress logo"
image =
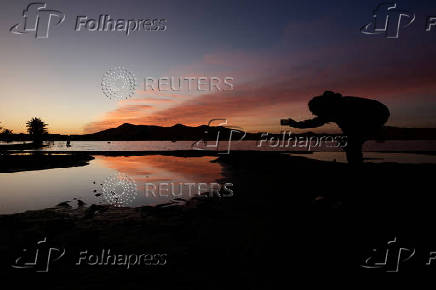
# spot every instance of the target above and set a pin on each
(388, 20)
(38, 19)
(390, 259)
(40, 259)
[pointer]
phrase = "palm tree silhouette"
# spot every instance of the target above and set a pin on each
(7, 135)
(36, 129)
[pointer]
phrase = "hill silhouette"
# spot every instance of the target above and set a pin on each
(179, 132)
(130, 132)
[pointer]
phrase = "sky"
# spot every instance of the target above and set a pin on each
(279, 55)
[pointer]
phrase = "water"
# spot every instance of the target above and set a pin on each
(371, 146)
(41, 189)
(14, 142)
(376, 157)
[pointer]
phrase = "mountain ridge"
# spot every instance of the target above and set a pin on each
(180, 132)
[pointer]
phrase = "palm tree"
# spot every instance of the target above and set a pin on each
(7, 134)
(36, 129)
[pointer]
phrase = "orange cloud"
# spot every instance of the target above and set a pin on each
(280, 85)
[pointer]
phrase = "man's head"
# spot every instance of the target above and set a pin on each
(326, 103)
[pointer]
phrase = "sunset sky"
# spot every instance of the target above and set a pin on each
(280, 54)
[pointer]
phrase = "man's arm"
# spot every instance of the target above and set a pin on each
(312, 123)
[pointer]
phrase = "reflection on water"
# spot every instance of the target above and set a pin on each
(249, 145)
(14, 142)
(171, 170)
(40, 189)
(375, 157)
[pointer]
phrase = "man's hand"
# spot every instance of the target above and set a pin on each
(284, 122)
(287, 122)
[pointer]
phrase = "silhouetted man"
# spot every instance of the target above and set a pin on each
(358, 118)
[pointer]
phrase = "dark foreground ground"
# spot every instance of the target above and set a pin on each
(289, 218)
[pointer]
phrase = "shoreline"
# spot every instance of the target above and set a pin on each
(277, 208)
(19, 161)
(10, 163)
